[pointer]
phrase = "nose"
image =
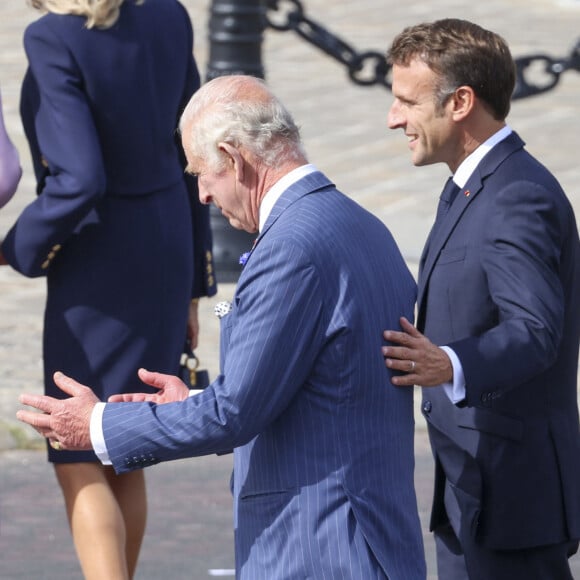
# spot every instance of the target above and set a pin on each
(395, 117)
(204, 197)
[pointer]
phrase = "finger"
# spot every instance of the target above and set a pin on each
(409, 328)
(397, 352)
(159, 380)
(156, 380)
(39, 421)
(131, 398)
(403, 380)
(48, 433)
(395, 336)
(40, 402)
(119, 399)
(403, 365)
(57, 445)
(68, 384)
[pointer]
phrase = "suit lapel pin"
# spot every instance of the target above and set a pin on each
(244, 257)
(467, 193)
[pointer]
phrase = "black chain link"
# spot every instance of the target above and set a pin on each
(548, 69)
(371, 67)
(366, 68)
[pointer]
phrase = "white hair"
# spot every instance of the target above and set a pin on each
(241, 111)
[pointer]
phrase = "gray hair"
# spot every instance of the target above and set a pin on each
(241, 111)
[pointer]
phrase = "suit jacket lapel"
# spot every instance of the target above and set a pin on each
(465, 196)
(308, 184)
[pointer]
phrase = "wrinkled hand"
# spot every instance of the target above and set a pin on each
(425, 363)
(171, 389)
(65, 421)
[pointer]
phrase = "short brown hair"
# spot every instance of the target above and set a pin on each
(460, 53)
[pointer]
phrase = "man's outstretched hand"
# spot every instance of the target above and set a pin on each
(64, 422)
(171, 389)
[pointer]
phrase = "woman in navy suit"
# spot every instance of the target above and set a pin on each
(116, 228)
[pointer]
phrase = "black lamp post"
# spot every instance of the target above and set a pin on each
(236, 30)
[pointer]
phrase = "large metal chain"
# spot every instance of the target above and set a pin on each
(535, 74)
(547, 69)
(366, 68)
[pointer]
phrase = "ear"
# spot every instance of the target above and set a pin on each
(463, 101)
(235, 158)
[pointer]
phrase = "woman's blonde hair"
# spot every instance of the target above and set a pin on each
(99, 13)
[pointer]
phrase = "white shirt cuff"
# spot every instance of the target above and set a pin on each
(193, 392)
(97, 437)
(454, 390)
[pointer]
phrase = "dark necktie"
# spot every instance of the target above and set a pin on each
(446, 199)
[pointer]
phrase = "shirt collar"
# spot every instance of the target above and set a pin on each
(468, 165)
(279, 188)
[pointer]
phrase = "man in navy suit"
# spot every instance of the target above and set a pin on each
(323, 445)
(499, 292)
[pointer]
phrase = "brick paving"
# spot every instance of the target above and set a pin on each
(344, 128)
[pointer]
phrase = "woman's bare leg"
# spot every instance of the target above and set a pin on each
(129, 489)
(96, 520)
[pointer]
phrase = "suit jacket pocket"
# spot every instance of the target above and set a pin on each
(271, 496)
(263, 509)
(491, 423)
(450, 255)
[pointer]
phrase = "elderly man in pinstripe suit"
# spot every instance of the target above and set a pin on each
(323, 444)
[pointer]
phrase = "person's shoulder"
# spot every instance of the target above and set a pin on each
(164, 6)
(53, 25)
(50, 19)
(523, 166)
(165, 18)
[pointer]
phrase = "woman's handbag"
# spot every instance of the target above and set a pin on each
(189, 371)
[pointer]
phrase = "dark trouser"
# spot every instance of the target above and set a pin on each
(475, 562)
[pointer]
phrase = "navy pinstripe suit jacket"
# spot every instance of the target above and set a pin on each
(323, 460)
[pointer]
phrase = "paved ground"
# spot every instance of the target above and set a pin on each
(344, 127)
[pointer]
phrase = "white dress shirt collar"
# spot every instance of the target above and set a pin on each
(468, 165)
(279, 188)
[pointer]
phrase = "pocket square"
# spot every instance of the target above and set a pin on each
(222, 308)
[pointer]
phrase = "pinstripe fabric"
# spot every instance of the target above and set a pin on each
(323, 467)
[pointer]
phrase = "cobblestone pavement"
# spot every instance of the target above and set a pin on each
(344, 129)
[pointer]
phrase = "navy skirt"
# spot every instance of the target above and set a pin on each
(118, 295)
